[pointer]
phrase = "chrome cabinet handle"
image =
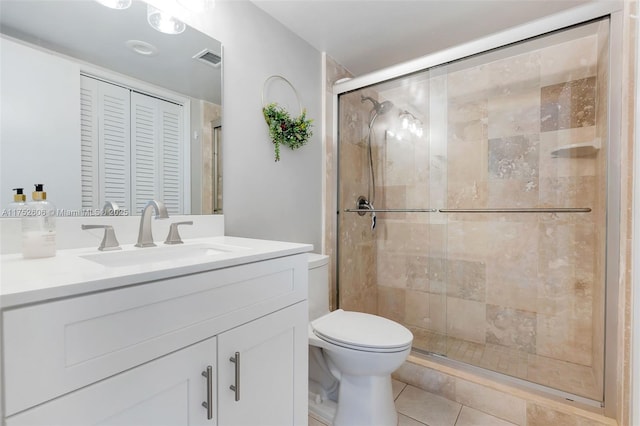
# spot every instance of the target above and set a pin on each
(208, 404)
(236, 388)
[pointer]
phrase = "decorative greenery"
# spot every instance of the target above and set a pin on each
(285, 130)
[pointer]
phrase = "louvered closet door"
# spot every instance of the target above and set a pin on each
(89, 143)
(145, 131)
(171, 156)
(106, 143)
(157, 139)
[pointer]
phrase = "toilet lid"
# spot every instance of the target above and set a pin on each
(360, 330)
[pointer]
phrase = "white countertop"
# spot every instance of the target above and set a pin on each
(25, 281)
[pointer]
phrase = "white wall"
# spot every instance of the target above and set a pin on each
(262, 198)
(39, 141)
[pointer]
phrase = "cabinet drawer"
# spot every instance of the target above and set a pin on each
(53, 348)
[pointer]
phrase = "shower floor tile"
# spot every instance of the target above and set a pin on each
(427, 408)
(562, 375)
(417, 407)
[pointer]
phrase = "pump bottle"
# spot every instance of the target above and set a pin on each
(39, 226)
(16, 208)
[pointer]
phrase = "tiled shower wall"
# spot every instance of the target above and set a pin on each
(531, 285)
(210, 112)
(333, 73)
(358, 290)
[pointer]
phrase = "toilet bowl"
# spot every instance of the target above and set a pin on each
(352, 356)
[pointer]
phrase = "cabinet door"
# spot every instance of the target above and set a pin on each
(167, 391)
(272, 382)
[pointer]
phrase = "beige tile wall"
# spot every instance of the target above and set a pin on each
(600, 235)
(333, 72)
(210, 112)
(357, 269)
(624, 379)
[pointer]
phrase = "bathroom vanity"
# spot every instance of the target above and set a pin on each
(213, 332)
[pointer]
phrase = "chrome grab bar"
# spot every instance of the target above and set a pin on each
(391, 210)
(504, 210)
(521, 210)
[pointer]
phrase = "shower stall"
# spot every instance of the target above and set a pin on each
(472, 206)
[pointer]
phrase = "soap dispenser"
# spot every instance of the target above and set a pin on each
(39, 226)
(16, 208)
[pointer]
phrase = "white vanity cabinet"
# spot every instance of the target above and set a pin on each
(268, 362)
(166, 391)
(136, 355)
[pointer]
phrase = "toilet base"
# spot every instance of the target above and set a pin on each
(365, 400)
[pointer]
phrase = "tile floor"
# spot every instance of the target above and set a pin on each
(417, 407)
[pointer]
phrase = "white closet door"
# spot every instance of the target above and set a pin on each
(105, 130)
(145, 131)
(171, 156)
(132, 148)
(157, 139)
(114, 144)
(89, 143)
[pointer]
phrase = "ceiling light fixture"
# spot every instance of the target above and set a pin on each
(142, 47)
(115, 4)
(164, 22)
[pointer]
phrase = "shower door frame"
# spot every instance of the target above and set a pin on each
(559, 21)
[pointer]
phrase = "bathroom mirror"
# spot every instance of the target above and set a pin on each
(63, 63)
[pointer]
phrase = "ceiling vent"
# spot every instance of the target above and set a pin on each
(208, 57)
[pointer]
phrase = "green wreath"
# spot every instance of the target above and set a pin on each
(285, 130)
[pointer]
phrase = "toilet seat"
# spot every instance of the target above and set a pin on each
(362, 332)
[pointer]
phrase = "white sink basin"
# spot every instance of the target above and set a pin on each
(139, 256)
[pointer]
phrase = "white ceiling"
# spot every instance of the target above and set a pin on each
(95, 34)
(368, 35)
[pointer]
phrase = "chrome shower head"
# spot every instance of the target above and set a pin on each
(379, 108)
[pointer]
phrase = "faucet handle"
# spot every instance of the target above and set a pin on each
(109, 240)
(174, 237)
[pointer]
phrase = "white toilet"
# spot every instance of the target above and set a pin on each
(351, 358)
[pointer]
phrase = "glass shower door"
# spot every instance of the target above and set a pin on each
(526, 160)
(504, 155)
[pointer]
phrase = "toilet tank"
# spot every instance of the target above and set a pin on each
(318, 285)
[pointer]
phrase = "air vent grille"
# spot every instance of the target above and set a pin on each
(208, 57)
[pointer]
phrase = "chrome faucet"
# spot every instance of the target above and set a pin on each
(145, 238)
(110, 209)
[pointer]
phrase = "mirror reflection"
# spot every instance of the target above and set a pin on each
(100, 107)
